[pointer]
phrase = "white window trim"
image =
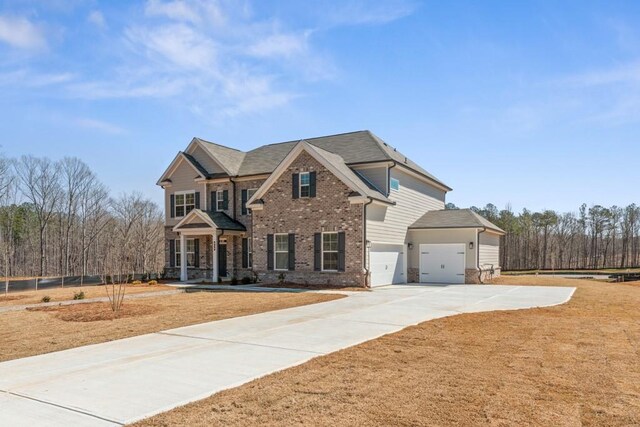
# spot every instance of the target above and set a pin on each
(322, 251)
(250, 253)
(175, 203)
(306, 185)
(178, 251)
(275, 252)
(391, 180)
(219, 200)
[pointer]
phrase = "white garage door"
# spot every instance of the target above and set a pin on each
(442, 263)
(386, 263)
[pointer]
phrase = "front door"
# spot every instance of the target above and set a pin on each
(222, 260)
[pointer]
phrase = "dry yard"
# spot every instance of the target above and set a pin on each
(66, 294)
(575, 364)
(42, 330)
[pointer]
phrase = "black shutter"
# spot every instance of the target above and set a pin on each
(196, 253)
(172, 252)
(244, 202)
(317, 251)
(341, 250)
(214, 202)
(269, 251)
(312, 184)
(296, 185)
(173, 206)
(225, 199)
(292, 251)
(197, 200)
(245, 252)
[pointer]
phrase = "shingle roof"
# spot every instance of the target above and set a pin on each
(353, 147)
(360, 184)
(224, 221)
(454, 218)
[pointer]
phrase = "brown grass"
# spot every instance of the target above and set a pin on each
(569, 365)
(27, 333)
(66, 294)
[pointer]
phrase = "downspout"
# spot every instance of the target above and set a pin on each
(389, 177)
(478, 255)
(365, 258)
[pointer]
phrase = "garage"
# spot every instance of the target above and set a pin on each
(386, 264)
(442, 263)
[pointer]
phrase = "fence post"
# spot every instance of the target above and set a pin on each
(62, 282)
(6, 285)
(36, 283)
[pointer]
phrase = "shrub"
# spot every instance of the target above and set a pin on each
(281, 278)
(152, 282)
(246, 280)
(46, 298)
(136, 282)
(234, 280)
(254, 277)
(78, 295)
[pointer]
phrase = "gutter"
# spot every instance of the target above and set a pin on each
(364, 246)
(478, 255)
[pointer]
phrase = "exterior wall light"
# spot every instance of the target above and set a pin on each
(410, 246)
(369, 244)
(470, 245)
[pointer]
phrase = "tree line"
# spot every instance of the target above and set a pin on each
(592, 238)
(58, 219)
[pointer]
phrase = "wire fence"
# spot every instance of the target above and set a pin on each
(9, 285)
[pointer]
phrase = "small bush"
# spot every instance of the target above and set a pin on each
(234, 280)
(46, 298)
(281, 278)
(246, 280)
(78, 295)
(152, 282)
(136, 282)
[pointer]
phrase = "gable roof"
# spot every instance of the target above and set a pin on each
(180, 157)
(219, 220)
(332, 162)
(354, 148)
(454, 218)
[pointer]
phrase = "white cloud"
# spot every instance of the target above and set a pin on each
(98, 125)
(360, 12)
(285, 45)
(21, 33)
(193, 11)
(29, 78)
(96, 18)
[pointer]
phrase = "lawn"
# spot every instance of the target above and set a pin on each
(66, 294)
(574, 364)
(35, 331)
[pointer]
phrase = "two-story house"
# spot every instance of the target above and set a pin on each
(344, 209)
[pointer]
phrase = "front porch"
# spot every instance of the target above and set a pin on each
(208, 245)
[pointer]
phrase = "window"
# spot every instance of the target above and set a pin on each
(191, 253)
(184, 203)
(305, 184)
(219, 200)
(281, 251)
(249, 253)
(395, 184)
(250, 193)
(330, 251)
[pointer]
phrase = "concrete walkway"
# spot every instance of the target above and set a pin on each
(126, 380)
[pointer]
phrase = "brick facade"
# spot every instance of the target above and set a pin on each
(330, 210)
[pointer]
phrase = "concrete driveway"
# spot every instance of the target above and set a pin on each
(126, 380)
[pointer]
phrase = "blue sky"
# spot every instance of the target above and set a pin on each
(536, 104)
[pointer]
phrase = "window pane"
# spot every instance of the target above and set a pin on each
(304, 179)
(179, 199)
(395, 184)
(191, 245)
(304, 191)
(282, 243)
(189, 208)
(191, 259)
(250, 193)
(282, 260)
(330, 242)
(330, 260)
(190, 198)
(179, 210)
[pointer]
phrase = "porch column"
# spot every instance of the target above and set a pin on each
(183, 258)
(214, 252)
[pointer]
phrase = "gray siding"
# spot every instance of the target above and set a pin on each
(182, 179)
(377, 176)
(415, 197)
(205, 160)
(489, 249)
